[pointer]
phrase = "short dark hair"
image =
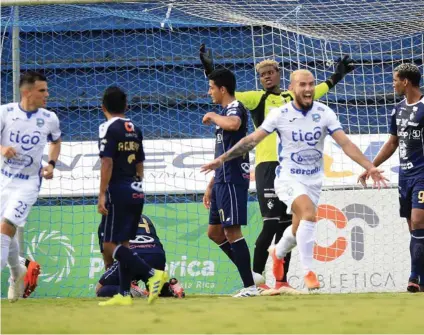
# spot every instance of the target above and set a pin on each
(115, 100)
(31, 77)
(224, 78)
(410, 72)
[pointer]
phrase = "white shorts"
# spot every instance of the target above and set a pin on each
(16, 202)
(288, 190)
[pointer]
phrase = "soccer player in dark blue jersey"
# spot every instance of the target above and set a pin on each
(407, 134)
(148, 247)
(227, 193)
(121, 196)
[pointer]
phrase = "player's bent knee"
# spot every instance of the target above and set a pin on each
(233, 233)
(216, 234)
(8, 227)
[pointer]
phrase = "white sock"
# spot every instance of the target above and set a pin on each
(305, 237)
(13, 259)
(22, 260)
(5, 243)
(286, 243)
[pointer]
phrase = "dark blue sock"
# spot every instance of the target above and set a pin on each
(226, 247)
(417, 253)
(108, 291)
(241, 256)
(137, 267)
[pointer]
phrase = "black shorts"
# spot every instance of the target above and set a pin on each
(228, 205)
(120, 224)
(271, 207)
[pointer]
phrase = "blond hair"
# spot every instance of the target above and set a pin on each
(294, 74)
(267, 62)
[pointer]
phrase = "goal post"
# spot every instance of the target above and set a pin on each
(150, 48)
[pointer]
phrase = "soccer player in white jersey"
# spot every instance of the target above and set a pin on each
(25, 129)
(301, 126)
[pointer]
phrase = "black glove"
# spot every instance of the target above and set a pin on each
(343, 67)
(206, 59)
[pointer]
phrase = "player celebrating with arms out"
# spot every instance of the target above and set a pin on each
(260, 102)
(121, 196)
(25, 129)
(301, 127)
(227, 193)
(406, 132)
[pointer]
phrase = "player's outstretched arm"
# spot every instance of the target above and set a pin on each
(241, 147)
(54, 151)
(384, 154)
(140, 170)
(350, 149)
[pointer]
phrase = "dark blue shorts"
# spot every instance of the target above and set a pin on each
(411, 195)
(120, 224)
(228, 205)
(111, 276)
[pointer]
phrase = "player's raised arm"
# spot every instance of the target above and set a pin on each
(243, 146)
(350, 149)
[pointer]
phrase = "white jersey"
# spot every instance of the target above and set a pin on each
(301, 140)
(28, 134)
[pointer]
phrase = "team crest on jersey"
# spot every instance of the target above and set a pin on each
(415, 108)
(10, 109)
(270, 203)
(40, 122)
(316, 117)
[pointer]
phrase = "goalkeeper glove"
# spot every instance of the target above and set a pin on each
(343, 67)
(206, 59)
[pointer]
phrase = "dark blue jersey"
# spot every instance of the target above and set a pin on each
(237, 170)
(408, 125)
(146, 240)
(120, 140)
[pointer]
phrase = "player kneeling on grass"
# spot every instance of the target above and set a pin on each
(302, 126)
(148, 247)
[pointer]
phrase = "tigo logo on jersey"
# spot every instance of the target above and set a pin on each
(27, 141)
(340, 218)
(311, 138)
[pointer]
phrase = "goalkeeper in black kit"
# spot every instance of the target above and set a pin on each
(273, 211)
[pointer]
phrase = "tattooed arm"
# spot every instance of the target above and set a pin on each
(241, 147)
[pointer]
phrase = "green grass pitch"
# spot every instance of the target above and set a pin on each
(338, 313)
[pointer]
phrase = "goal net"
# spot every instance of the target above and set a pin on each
(150, 48)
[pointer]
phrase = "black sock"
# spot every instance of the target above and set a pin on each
(283, 225)
(260, 254)
(108, 291)
(242, 260)
(137, 266)
(125, 277)
(226, 247)
(417, 253)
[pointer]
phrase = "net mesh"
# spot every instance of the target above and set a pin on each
(151, 50)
